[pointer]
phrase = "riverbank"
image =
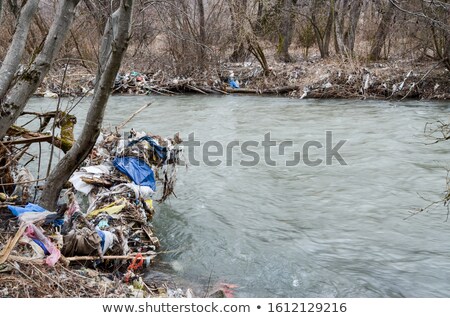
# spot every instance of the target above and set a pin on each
(314, 78)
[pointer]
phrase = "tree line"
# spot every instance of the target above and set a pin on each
(188, 36)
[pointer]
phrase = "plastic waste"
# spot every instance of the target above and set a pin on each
(30, 207)
(112, 208)
(139, 190)
(107, 240)
(160, 150)
(233, 84)
(137, 170)
(39, 249)
(103, 224)
(33, 217)
(92, 171)
(35, 233)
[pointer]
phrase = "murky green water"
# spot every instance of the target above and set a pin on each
(325, 231)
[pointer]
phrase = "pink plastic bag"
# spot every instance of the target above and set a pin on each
(33, 232)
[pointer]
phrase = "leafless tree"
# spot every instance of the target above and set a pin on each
(12, 105)
(286, 30)
(347, 16)
(322, 30)
(17, 47)
(239, 28)
(114, 45)
(382, 31)
(435, 15)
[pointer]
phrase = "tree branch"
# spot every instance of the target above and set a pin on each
(13, 104)
(17, 47)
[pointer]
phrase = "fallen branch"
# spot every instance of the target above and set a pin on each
(109, 257)
(132, 116)
(269, 91)
(29, 140)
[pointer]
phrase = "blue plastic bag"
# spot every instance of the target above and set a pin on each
(30, 207)
(137, 170)
(233, 84)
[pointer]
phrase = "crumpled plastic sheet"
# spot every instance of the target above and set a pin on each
(139, 191)
(92, 171)
(137, 170)
(30, 207)
(37, 248)
(34, 232)
(107, 239)
(113, 208)
(33, 217)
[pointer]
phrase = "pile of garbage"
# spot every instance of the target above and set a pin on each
(135, 83)
(103, 224)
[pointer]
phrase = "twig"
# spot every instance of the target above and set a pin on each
(15, 159)
(38, 173)
(52, 149)
(24, 182)
(132, 116)
(11, 244)
(48, 277)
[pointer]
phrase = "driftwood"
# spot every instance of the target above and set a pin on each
(97, 181)
(111, 257)
(269, 91)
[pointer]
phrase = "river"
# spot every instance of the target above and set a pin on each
(303, 231)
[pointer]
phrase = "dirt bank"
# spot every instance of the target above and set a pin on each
(315, 78)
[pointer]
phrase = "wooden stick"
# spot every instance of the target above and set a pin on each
(132, 116)
(109, 257)
(196, 89)
(66, 260)
(220, 91)
(24, 182)
(157, 91)
(5, 253)
(167, 91)
(29, 140)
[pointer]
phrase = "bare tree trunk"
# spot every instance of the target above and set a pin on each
(17, 47)
(339, 22)
(382, 32)
(107, 40)
(14, 7)
(91, 130)
(447, 50)
(202, 31)
(322, 38)
(17, 97)
(1, 10)
(350, 34)
(285, 36)
(346, 21)
(238, 9)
